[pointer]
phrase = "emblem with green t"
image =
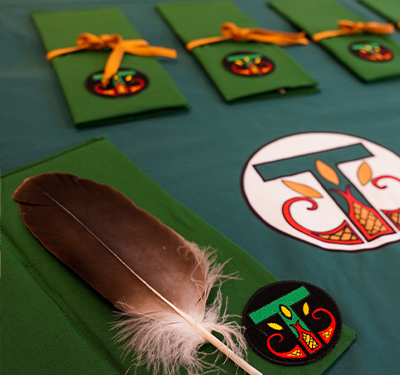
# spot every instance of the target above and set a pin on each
(283, 307)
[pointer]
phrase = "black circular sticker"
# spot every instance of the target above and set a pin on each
(126, 82)
(248, 64)
(371, 51)
(292, 323)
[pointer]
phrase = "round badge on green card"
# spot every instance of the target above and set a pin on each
(292, 323)
(126, 82)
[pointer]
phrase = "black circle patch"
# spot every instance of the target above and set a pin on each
(292, 323)
(248, 64)
(371, 51)
(126, 82)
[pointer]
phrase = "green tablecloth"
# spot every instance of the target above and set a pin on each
(199, 157)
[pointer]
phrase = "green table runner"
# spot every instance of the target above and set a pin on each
(389, 9)
(54, 323)
(203, 19)
(153, 89)
(354, 51)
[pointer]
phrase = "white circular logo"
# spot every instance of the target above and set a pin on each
(335, 191)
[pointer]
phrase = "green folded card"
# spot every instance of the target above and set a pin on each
(239, 69)
(371, 57)
(389, 9)
(140, 87)
(56, 323)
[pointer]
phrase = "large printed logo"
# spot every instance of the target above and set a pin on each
(334, 191)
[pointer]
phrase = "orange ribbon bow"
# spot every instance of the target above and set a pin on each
(349, 27)
(119, 47)
(231, 32)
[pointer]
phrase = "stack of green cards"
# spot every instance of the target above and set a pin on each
(371, 57)
(140, 87)
(239, 69)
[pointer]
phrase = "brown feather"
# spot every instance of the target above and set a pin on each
(101, 235)
(160, 280)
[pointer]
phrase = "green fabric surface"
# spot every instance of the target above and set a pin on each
(202, 19)
(51, 317)
(315, 16)
(389, 9)
(60, 29)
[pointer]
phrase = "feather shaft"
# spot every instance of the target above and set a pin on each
(228, 352)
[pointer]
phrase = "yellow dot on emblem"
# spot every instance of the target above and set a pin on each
(275, 326)
(128, 77)
(285, 311)
(306, 308)
(247, 59)
(115, 77)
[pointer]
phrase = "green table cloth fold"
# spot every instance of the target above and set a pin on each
(353, 51)
(153, 93)
(53, 322)
(202, 19)
(388, 9)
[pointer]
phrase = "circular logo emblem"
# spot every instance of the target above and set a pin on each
(248, 64)
(126, 82)
(292, 323)
(371, 51)
(334, 191)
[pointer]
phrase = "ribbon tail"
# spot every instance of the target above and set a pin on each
(384, 29)
(152, 51)
(280, 38)
(63, 51)
(329, 34)
(113, 63)
(201, 42)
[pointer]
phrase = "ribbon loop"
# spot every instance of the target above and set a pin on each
(347, 27)
(230, 31)
(90, 41)
(118, 46)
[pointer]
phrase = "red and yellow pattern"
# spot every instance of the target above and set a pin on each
(297, 352)
(342, 234)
